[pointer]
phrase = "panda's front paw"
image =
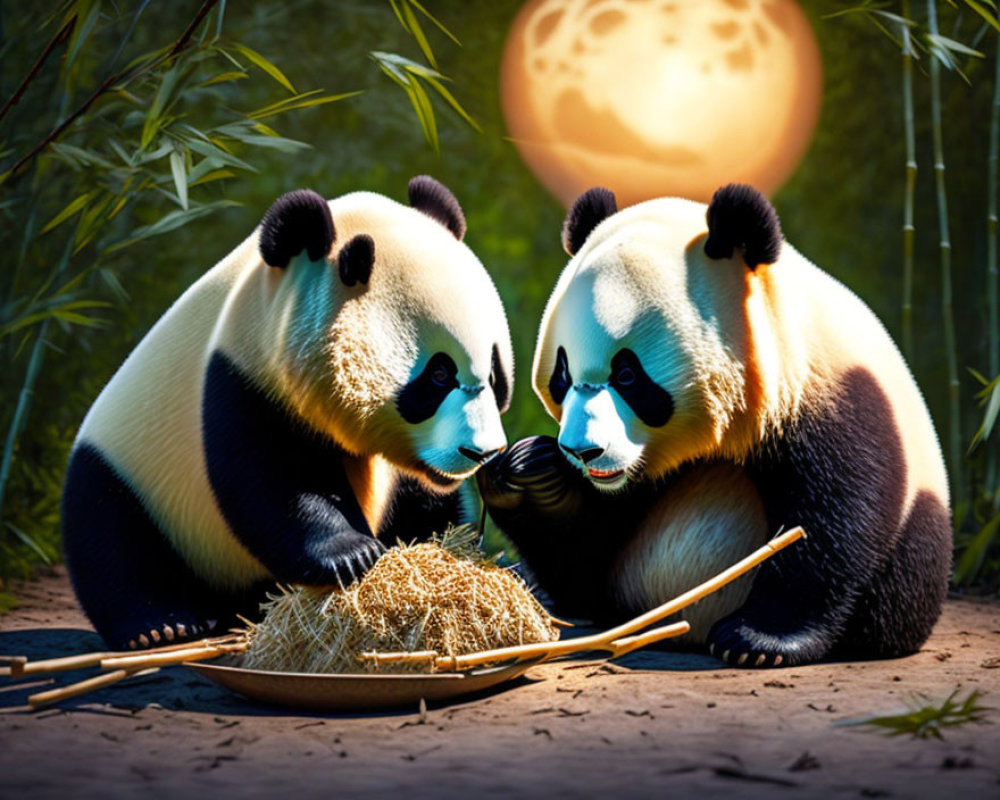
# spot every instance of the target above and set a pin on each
(346, 558)
(741, 643)
(533, 470)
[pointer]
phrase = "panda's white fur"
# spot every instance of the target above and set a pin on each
(334, 354)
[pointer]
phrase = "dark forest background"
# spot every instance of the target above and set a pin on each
(97, 239)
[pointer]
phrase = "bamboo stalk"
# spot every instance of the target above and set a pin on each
(909, 229)
(43, 699)
(21, 667)
(993, 162)
(547, 650)
(954, 407)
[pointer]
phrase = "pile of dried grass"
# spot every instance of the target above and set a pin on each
(438, 596)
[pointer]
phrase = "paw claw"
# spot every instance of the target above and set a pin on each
(742, 659)
(132, 644)
(168, 633)
(181, 630)
(143, 640)
(725, 656)
(778, 659)
(154, 635)
(760, 660)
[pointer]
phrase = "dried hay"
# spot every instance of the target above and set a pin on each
(440, 595)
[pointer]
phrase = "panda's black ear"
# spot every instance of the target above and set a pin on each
(588, 211)
(435, 200)
(741, 217)
(297, 221)
(356, 259)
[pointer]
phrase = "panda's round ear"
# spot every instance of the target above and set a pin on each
(741, 217)
(435, 200)
(296, 221)
(356, 259)
(588, 211)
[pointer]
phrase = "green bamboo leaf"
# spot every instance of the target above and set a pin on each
(983, 12)
(211, 150)
(265, 65)
(953, 46)
(989, 418)
(74, 207)
(435, 20)
(449, 98)
(978, 376)
(418, 33)
(170, 222)
(160, 101)
(214, 175)
(394, 5)
(274, 142)
(88, 12)
(29, 542)
(422, 104)
(291, 104)
(224, 77)
(975, 551)
(179, 171)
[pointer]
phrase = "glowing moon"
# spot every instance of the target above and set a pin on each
(657, 97)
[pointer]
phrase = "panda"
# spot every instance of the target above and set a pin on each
(713, 387)
(323, 389)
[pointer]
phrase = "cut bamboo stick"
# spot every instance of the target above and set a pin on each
(21, 667)
(548, 650)
(43, 699)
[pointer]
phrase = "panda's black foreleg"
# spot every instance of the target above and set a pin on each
(131, 583)
(565, 530)
(281, 486)
(416, 513)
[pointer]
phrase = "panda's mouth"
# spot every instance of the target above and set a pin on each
(606, 477)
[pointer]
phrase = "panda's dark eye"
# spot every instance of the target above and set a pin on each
(561, 380)
(420, 398)
(441, 376)
(651, 402)
(624, 377)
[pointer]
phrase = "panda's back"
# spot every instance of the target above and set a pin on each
(147, 425)
(848, 336)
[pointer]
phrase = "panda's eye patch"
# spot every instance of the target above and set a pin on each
(498, 382)
(651, 402)
(561, 380)
(420, 398)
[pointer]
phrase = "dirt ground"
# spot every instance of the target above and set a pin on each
(656, 724)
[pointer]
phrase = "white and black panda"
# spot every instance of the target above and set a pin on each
(713, 387)
(336, 376)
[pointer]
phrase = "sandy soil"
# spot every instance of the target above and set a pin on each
(656, 724)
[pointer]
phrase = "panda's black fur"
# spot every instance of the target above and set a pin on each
(282, 486)
(868, 581)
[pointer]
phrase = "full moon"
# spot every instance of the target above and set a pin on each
(660, 97)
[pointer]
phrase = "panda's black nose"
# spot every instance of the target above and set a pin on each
(586, 455)
(478, 456)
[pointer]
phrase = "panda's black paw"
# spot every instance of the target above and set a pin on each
(740, 643)
(532, 470)
(347, 557)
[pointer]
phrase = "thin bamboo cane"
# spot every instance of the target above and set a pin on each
(547, 650)
(21, 667)
(144, 660)
(954, 406)
(909, 229)
(43, 699)
(992, 170)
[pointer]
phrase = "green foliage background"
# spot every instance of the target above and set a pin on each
(842, 209)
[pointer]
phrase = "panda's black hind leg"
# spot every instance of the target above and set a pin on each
(131, 583)
(895, 614)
